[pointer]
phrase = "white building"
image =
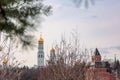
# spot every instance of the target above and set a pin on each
(41, 55)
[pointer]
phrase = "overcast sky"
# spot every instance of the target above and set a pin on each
(98, 26)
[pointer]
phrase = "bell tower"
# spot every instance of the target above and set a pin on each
(40, 55)
(96, 58)
(52, 55)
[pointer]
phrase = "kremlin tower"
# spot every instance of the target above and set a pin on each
(101, 70)
(96, 58)
(40, 55)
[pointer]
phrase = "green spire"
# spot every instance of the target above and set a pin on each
(96, 53)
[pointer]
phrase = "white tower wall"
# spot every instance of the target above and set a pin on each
(40, 55)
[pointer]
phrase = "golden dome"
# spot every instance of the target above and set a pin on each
(40, 41)
(17, 71)
(52, 50)
(5, 61)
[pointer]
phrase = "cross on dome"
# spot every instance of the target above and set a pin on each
(41, 40)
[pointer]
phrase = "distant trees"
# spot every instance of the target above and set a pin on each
(28, 74)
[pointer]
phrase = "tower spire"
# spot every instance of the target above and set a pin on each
(96, 53)
(96, 57)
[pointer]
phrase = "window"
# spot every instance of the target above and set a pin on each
(40, 56)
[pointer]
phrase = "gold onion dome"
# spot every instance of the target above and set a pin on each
(52, 50)
(40, 41)
(5, 61)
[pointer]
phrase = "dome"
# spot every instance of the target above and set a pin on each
(52, 50)
(5, 61)
(40, 41)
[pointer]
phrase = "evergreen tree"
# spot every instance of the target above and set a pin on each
(16, 17)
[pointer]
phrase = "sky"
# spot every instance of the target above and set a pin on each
(98, 26)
